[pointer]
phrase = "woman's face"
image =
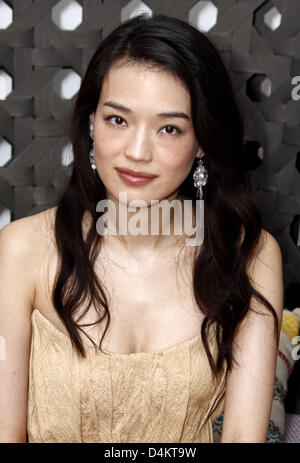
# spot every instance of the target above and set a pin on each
(131, 130)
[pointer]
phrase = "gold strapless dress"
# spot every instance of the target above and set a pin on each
(161, 396)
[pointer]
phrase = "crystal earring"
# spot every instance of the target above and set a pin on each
(200, 177)
(91, 157)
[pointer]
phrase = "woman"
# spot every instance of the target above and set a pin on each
(186, 330)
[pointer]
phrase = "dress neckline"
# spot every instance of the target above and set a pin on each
(180, 344)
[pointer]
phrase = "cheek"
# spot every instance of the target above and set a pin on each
(105, 144)
(179, 163)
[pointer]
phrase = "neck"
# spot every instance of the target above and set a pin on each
(146, 229)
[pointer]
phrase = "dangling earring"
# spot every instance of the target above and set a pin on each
(200, 177)
(91, 156)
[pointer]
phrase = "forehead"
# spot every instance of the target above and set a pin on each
(129, 83)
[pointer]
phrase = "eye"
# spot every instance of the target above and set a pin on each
(172, 127)
(119, 118)
(114, 117)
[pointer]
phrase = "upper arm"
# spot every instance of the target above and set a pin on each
(249, 386)
(17, 291)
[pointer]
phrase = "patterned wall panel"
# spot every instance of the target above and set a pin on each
(45, 46)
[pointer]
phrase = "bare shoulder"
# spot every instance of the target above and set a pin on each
(24, 244)
(23, 252)
(28, 234)
(266, 271)
(268, 251)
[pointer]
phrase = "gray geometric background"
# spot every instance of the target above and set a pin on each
(259, 42)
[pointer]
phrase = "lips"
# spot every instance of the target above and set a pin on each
(134, 173)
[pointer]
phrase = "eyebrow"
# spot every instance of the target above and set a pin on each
(170, 114)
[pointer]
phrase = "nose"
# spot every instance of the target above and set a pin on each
(138, 147)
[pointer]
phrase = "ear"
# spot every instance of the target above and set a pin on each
(91, 122)
(200, 154)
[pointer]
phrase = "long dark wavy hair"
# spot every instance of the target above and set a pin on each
(233, 224)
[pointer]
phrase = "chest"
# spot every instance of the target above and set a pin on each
(151, 302)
